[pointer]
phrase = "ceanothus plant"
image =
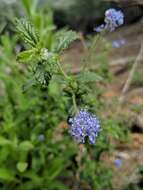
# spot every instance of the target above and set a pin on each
(45, 64)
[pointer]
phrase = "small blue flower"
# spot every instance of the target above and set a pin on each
(41, 137)
(118, 162)
(118, 43)
(84, 125)
(113, 19)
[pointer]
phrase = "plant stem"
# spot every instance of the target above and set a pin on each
(73, 94)
(62, 71)
(74, 102)
(90, 51)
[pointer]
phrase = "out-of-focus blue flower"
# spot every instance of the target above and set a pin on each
(41, 137)
(84, 125)
(118, 162)
(118, 43)
(113, 19)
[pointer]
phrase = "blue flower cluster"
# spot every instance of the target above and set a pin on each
(113, 19)
(119, 43)
(118, 162)
(84, 125)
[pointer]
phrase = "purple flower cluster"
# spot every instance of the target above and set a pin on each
(113, 19)
(84, 125)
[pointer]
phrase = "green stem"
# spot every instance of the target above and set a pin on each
(73, 94)
(62, 71)
(91, 51)
(74, 102)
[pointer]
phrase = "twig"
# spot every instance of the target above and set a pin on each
(131, 74)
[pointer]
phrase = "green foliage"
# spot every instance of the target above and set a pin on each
(100, 47)
(43, 24)
(8, 11)
(27, 32)
(88, 77)
(25, 160)
(63, 40)
(44, 63)
(30, 6)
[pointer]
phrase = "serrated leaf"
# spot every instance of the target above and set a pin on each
(25, 56)
(41, 75)
(6, 174)
(63, 40)
(88, 76)
(22, 166)
(27, 32)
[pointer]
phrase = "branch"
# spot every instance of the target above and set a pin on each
(131, 74)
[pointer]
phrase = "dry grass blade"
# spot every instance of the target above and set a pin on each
(131, 74)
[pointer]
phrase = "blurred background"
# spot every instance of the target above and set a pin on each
(76, 14)
(36, 151)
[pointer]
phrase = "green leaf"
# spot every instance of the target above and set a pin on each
(64, 40)
(88, 76)
(56, 167)
(22, 166)
(27, 5)
(26, 146)
(6, 174)
(30, 6)
(42, 75)
(25, 56)
(27, 32)
(4, 141)
(38, 180)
